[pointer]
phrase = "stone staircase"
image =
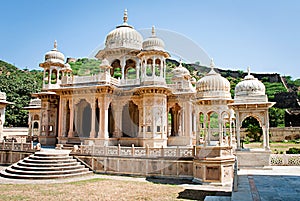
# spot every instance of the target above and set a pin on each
(46, 164)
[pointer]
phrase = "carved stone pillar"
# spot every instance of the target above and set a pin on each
(238, 127)
(161, 68)
(137, 68)
(220, 130)
(103, 124)
(71, 131)
(123, 63)
(197, 128)
(60, 117)
(93, 119)
(230, 132)
(117, 115)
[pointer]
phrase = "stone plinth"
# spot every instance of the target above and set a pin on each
(47, 140)
(213, 165)
(253, 158)
(181, 141)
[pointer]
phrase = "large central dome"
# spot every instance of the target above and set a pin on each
(124, 36)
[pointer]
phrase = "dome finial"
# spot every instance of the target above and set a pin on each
(212, 64)
(180, 62)
(212, 67)
(55, 44)
(153, 31)
(125, 18)
(248, 69)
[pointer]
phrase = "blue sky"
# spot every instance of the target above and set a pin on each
(261, 34)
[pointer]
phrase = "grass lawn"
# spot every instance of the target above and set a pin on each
(275, 146)
(99, 189)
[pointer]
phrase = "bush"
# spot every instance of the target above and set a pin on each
(293, 150)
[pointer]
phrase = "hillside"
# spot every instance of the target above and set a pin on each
(18, 86)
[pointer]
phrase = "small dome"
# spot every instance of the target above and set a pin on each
(54, 56)
(180, 72)
(213, 85)
(124, 36)
(67, 67)
(104, 62)
(153, 43)
(250, 86)
(35, 102)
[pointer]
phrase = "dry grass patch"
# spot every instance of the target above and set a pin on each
(95, 189)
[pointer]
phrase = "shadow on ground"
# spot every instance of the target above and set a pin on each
(170, 181)
(200, 195)
(188, 194)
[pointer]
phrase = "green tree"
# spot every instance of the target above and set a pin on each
(253, 128)
(18, 86)
(276, 117)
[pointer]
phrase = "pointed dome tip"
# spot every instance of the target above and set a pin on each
(55, 44)
(153, 31)
(125, 17)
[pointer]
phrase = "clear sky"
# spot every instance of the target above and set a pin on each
(236, 33)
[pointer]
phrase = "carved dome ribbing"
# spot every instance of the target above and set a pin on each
(180, 72)
(213, 85)
(153, 42)
(54, 56)
(67, 68)
(124, 36)
(250, 86)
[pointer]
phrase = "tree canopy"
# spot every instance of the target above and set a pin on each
(18, 86)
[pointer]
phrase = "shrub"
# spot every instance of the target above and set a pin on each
(293, 150)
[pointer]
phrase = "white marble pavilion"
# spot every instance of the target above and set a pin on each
(139, 107)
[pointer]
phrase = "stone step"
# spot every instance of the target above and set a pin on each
(28, 160)
(49, 168)
(46, 164)
(12, 170)
(38, 177)
(49, 158)
(53, 153)
(23, 163)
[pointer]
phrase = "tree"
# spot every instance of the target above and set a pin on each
(18, 86)
(253, 128)
(276, 117)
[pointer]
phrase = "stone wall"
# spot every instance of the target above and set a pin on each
(8, 157)
(253, 158)
(280, 134)
(164, 167)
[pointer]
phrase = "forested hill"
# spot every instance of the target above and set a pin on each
(18, 86)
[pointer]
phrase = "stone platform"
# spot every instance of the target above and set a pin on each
(46, 164)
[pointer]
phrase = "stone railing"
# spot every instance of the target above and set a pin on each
(114, 81)
(13, 146)
(130, 82)
(174, 152)
(102, 77)
(285, 159)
